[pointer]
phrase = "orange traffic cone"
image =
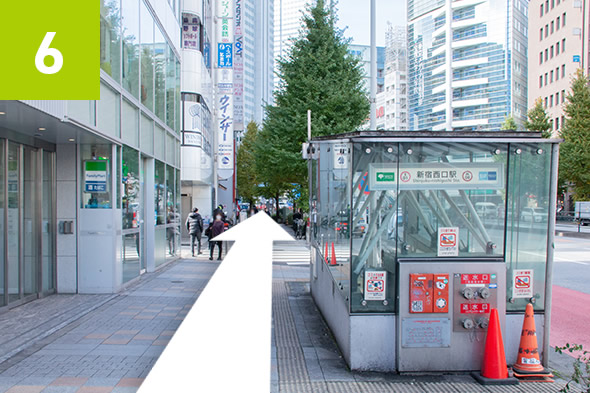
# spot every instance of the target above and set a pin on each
(493, 369)
(528, 365)
(333, 259)
(326, 254)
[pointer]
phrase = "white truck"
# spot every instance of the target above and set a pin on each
(583, 212)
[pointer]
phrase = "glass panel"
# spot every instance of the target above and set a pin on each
(527, 223)
(130, 124)
(147, 58)
(160, 74)
(142, 211)
(451, 186)
(118, 181)
(170, 87)
(13, 228)
(147, 135)
(2, 212)
(108, 111)
(160, 245)
(130, 186)
(110, 40)
(30, 216)
(96, 184)
(172, 215)
(130, 259)
(48, 263)
(160, 193)
(130, 16)
(177, 97)
(160, 142)
(373, 225)
(81, 110)
(170, 147)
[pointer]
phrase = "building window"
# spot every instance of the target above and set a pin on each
(551, 121)
(545, 79)
(551, 78)
(541, 58)
(563, 45)
(541, 81)
(546, 30)
(557, 123)
(541, 9)
(552, 4)
(557, 74)
(546, 54)
(110, 40)
(552, 27)
(551, 51)
(563, 71)
(557, 48)
(563, 19)
(557, 98)
(545, 102)
(546, 6)
(557, 24)
(551, 100)
(562, 100)
(541, 34)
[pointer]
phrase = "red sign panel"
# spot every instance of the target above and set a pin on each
(475, 279)
(475, 308)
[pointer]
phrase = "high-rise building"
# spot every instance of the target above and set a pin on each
(467, 63)
(392, 101)
(198, 134)
(90, 189)
(257, 72)
(287, 25)
(558, 31)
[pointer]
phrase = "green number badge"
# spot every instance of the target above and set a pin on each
(50, 50)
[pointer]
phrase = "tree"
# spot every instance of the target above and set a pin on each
(318, 74)
(538, 119)
(246, 165)
(574, 157)
(509, 124)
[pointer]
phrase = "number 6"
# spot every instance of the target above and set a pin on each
(44, 51)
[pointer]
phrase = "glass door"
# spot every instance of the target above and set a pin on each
(29, 200)
(13, 227)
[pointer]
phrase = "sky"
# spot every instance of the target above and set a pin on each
(355, 16)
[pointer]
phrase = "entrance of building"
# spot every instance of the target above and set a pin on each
(27, 224)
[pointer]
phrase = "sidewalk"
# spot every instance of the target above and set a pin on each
(108, 343)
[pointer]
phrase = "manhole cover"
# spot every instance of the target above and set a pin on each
(176, 282)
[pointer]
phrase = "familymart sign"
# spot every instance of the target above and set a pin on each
(429, 176)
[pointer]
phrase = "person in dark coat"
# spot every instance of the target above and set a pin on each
(217, 228)
(194, 226)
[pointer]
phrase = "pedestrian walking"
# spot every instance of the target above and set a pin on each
(194, 226)
(216, 228)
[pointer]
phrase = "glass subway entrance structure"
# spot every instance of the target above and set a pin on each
(416, 236)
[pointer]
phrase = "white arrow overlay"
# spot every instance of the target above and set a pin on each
(223, 344)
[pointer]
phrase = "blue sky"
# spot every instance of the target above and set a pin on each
(355, 16)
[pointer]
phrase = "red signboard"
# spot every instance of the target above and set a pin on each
(475, 308)
(475, 279)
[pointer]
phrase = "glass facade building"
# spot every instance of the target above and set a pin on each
(90, 190)
(467, 63)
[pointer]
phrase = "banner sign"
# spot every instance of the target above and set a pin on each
(191, 33)
(224, 93)
(436, 176)
(192, 139)
(192, 116)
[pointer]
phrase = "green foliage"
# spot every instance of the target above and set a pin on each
(246, 164)
(574, 157)
(509, 123)
(581, 373)
(538, 119)
(320, 75)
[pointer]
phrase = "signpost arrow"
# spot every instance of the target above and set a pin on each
(224, 343)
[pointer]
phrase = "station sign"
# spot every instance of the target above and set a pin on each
(436, 176)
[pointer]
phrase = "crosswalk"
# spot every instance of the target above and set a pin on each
(291, 253)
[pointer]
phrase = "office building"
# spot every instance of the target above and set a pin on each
(392, 101)
(467, 63)
(363, 53)
(558, 32)
(90, 190)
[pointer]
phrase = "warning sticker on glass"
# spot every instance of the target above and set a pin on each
(375, 285)
(522, 283)
(448, 241)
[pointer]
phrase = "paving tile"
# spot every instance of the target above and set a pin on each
(102, 381)
(69, 381)
(25, 389)
(145, 337)
(98, 335)
(130, 382)
(95, 389)
(131, 332)
(60, 389)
